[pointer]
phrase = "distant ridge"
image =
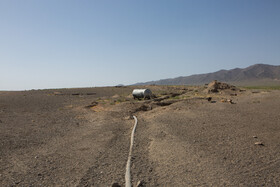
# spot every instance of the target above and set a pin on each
(258, 74)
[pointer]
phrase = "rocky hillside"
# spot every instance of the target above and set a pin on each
(259, 74)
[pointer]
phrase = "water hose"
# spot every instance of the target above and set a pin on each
(127, 173)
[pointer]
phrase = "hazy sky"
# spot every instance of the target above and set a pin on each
(65, 43)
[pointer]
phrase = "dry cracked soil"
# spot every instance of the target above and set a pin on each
(184, 137)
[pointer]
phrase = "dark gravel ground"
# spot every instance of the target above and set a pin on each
(49, 138)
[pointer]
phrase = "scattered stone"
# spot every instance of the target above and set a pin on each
(223, 100)
(17, 182)
(128, 117)
(230, 101)
(116, 185)
(209, 99)
(259, 143)
(140, 184)
(227, 101)
(255, 137)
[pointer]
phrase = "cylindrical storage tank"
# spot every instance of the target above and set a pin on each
(142, 93)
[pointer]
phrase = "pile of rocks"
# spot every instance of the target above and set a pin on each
(216, 86)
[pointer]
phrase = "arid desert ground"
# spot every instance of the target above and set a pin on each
(186, 136)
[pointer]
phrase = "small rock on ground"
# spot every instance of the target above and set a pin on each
(116, 185)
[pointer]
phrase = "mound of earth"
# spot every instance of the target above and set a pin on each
(216, 86)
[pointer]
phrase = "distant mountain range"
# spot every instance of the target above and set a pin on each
(255, 75)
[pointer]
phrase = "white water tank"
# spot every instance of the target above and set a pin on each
(142, 93)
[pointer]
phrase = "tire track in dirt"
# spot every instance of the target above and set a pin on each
(109, 165)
